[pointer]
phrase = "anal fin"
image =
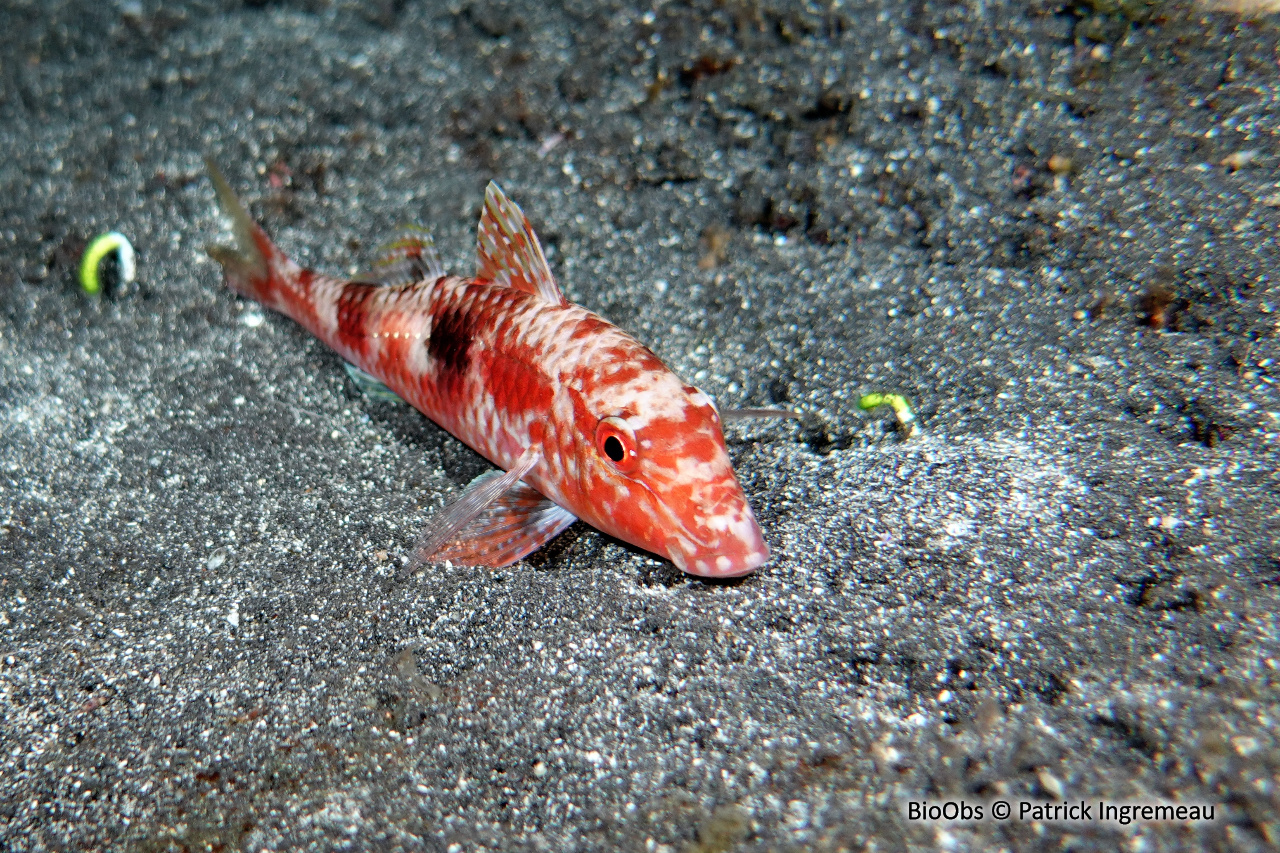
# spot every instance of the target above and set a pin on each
(371, 386)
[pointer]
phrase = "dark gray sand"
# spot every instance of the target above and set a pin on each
(1053, 229)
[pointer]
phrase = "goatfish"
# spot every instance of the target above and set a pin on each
(584, 420)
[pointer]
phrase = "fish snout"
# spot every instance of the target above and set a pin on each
(730, 546)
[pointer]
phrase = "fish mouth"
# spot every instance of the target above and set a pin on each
(739, 550)
(724, 542)
(720, 565)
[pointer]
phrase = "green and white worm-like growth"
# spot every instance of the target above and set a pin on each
(906, 418)
(96, 252)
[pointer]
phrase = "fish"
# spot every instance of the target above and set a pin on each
(583, 421)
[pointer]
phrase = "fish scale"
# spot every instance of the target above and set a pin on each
(585, 421)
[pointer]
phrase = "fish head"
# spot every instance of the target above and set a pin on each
(655, 473)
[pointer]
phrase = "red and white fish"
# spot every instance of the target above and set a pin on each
(585, 421)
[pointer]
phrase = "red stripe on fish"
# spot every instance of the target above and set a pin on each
(586, 420)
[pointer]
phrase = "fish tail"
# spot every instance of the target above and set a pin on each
(252, 265)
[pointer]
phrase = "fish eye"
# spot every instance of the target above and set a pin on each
(616, 442)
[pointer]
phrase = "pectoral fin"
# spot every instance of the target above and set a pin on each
(496, 521)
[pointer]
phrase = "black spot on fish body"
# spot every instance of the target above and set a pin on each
(450, 342)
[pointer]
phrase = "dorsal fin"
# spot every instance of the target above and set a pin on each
(409, 258)
(509, 252)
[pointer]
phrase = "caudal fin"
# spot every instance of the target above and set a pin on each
(246, 264)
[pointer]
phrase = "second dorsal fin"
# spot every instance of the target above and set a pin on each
(508, 250)
(409, 258)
